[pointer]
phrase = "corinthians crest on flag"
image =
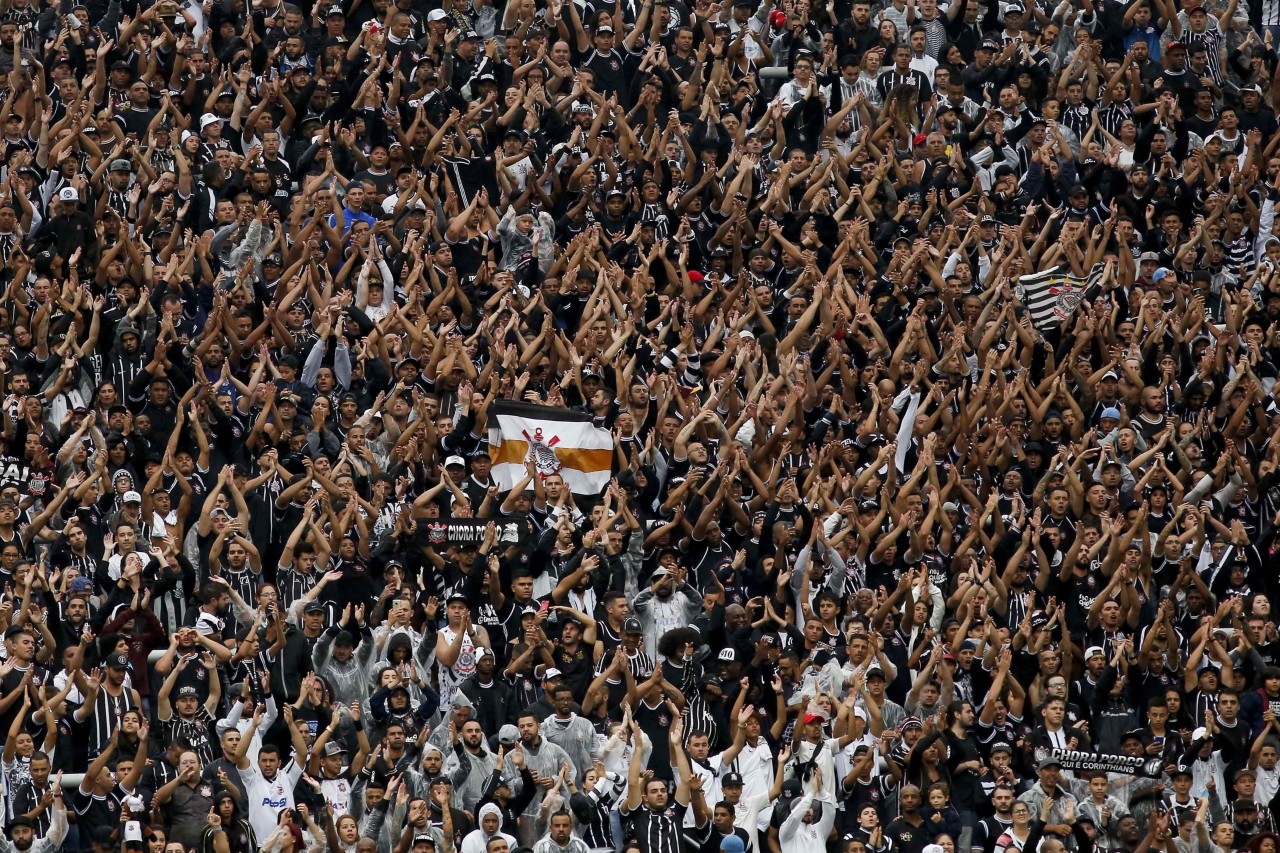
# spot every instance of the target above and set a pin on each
(1053, 296)
(557, 441)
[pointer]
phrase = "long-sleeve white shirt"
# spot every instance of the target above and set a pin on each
(796, 836)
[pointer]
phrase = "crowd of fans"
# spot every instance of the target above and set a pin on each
(887, 561)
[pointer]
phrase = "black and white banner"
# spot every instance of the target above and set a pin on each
(470, 531)
(1090, 762)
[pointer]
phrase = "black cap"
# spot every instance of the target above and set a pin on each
(119, 660)
(731, 779)
(631, 625)
(313, 606)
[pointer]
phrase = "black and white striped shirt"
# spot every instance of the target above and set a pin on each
(292, 584)
(657, 832)
(107, 711)
(596, 831)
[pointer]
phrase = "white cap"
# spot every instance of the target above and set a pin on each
(186, 134)
(68, 194)
(133, 831)
(132, 497)
(1200, 733)
(208, 119)
(1093, 650)
(455, 460)
(437, 15)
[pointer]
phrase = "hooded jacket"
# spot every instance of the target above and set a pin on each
(516, 804)
(469, 772)
(477, 841)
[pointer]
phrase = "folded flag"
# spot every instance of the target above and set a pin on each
(1053, 296)
(558, 441)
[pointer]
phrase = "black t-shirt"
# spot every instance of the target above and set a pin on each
(656, 723)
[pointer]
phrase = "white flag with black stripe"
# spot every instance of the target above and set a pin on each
(1053, 296)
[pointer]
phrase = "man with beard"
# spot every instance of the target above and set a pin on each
(990, 828)
(194, 720)
(22, 834)
(1142, 192)
(469, 763)
(543, 760)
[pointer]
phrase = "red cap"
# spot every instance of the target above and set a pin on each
(778, 18)
(814, 718)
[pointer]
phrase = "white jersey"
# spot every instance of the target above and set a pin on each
(337, 793)
(268, 797)
(463, 668)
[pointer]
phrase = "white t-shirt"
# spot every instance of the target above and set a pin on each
(267, 797)
(755, 765)
(337, 793)
(1268, 783)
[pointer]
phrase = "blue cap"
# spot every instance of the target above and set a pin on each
(1159, 275)
(1110, 412)
(732, 844)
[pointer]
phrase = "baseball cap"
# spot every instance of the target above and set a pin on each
(631, 625)
(119, 660)
(1110, 412)
(68, 194)
(436, 15)
(184, 692)
(120, 165)
(313, 606)
(334, 748)
(1047, 762)
(1149, 256)
(551, 673)
(132, 497)
(730, 780)
(455, 460)
(1093, 650)
(508, 734)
